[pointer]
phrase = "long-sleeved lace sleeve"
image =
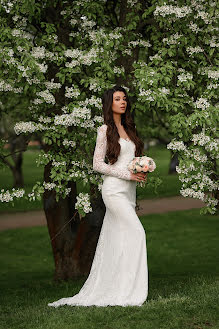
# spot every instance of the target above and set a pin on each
(99, 157)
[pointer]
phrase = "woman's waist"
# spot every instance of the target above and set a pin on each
(120, 165)
(115, 179)
(114, 184)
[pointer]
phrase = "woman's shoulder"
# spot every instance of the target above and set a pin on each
(102, 128)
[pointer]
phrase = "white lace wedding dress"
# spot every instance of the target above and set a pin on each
(119, 273)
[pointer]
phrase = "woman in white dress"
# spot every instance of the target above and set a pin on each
(119, 272)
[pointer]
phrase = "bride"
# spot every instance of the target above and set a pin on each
(119, 272)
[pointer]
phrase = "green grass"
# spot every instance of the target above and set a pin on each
(182, 251)
(32, 174)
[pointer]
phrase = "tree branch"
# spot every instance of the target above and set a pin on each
(21, 150)
(6, 162)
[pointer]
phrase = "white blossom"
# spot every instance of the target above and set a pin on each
(115, 35)
(128, 52)
(194, 50)
(86, 23)
(7, 196)
(73, 53)
(189, 192)
(66, 142)
(213, 74)
(212, 86)
(73, 21)
(202, 103)
(167, 10)
(37, 101)
(185, 76)
(4, 86)
(176, 145)
(52, 85)
(100, 187)
(49, 186)
(94, 85)
(198, 156)
(194, 27)
(44, 119)
(211, 202)
(118, 70)
(98, 118)
(79, 117)
(140, 43)
(58, 163)
(146, 94)
(92, 101)
(72, 64)
(203, 15)
(83, 202)
(38, 52)
(156, 56)
(132, 3)
(47, 96)
(71, 92)
(67, 190)
(173, 39)
(164, 90)
(42, 67)
(213, 146)
(213, 42)
(23, 127)
(200, 139)
(81, 57)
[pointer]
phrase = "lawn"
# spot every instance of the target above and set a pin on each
(182, 249)
(32, 173)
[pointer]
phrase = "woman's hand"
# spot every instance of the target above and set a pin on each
(139, 177)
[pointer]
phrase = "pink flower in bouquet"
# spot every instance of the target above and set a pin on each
(138, 168)
(135, 160)
(145, 168)
(152, 165)
(132, 164)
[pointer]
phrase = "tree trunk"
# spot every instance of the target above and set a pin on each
(18, 179)
(214, 177)
(73, 246)
(173, 163)
(217, 197)
(17, 145)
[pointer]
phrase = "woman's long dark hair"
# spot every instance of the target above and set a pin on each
(113, 146)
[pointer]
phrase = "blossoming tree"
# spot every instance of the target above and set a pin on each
(64, 54)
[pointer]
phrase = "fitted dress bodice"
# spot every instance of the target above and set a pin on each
(127, 153)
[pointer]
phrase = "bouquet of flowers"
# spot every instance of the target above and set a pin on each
(142, 164)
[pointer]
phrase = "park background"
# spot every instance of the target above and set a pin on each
(57, 59)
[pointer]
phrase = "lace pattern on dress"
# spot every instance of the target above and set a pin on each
(99, 157)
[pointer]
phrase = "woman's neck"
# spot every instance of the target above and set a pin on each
(117, 120)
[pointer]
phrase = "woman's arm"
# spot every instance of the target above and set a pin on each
(99, 157)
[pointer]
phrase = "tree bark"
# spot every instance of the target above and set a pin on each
(17, 145)
(73, 243)
(173, 163)
(17, 171)
(214, 177)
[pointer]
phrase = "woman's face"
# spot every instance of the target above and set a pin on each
(119, 102)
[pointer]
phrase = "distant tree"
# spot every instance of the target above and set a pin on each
(13, 146)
